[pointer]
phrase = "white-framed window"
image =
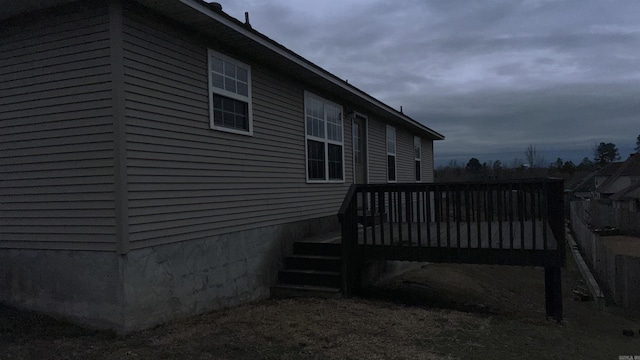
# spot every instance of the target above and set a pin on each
(357, 144)
(229, 94)
(324, 138)
(391, 154)
(417, 157)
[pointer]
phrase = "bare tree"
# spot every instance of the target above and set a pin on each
(516, 163)
(533, 159)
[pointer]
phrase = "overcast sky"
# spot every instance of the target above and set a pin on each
(492, 76)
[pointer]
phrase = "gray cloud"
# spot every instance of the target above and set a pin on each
(492, 76)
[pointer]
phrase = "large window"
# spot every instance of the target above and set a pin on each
(391, 154)
(417, 149)
(324, 139)
(229, 94)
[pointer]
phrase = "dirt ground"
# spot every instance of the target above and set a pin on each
(436, 312)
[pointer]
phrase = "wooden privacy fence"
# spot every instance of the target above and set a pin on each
(509, 223)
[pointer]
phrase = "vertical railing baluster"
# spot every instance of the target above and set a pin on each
(391, 215)
(467, 208)
(479, 195)
(544, 215)
(489, 216)
(499, 195)
(510, 204)
(399, 209)
(372, 195)
(365, 220)
(419, 216)
(533, 216)
(447, 215)
(458, 214)
(409, 216)
(428, 213)
(438, 198)
(522, 208)
(383, 211)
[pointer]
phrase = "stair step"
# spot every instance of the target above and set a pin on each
(289, 291)
(310, 277)
(317, 249)
(313, 262)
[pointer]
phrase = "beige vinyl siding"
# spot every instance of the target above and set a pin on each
(187, 181)
(427, 160)
(56, 133)
(377, 151)
(405, 156)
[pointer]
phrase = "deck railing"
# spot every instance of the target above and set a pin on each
(524, 215)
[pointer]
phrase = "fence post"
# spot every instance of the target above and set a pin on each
(553, 292)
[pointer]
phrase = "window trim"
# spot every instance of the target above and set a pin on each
(417, 141)
(324, 140)
(394, 153)
(235, 96)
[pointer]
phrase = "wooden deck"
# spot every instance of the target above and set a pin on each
(505, 223)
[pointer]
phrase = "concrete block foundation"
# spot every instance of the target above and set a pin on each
(152, 285)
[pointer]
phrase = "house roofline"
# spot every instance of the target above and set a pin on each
(627, 168)
(236, 25)
(242, 29)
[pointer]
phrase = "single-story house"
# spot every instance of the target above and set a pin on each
(623, 187)
(159, 157)
(604, 174)
(625, 175)
(628, 198)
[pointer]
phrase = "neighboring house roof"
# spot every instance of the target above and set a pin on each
(631, 192)
(244, 40)
(631, 167)
(581, 181)
(610, 168)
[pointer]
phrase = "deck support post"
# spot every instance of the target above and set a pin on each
(348, 217)
(553, 292)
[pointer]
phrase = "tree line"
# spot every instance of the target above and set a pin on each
(532, 165)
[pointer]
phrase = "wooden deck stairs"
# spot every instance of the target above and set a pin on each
(516, 222)
(313, 270)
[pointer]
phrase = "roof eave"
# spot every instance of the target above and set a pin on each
(11, 8)
(25, 6)
(289, 55)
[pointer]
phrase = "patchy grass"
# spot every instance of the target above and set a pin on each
(436, 312)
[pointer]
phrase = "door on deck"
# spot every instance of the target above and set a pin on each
(360, 159)
(360, 149)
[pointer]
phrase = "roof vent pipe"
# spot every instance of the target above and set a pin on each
(246, 19)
